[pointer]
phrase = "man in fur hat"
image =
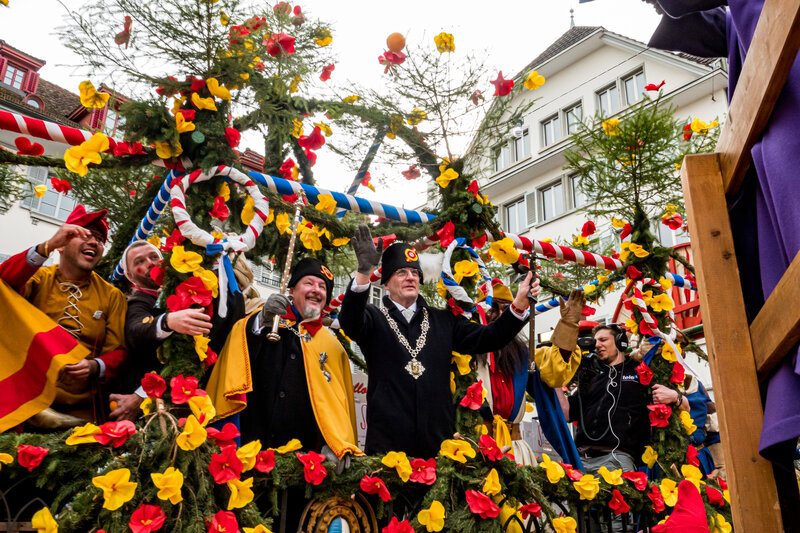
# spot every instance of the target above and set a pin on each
(73, 296)
(408, 345)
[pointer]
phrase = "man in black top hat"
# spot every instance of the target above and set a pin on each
(408, 345)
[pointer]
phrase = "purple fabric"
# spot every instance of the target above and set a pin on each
(776, 227)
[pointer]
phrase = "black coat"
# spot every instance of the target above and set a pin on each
(403, 413)
(140, 337)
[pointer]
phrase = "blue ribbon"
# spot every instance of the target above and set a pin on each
(215, 248)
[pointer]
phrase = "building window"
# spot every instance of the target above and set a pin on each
(515, 217)
(52, 204)
(578, 198)
(502, 158)
(634, 87)
(573, 116)
(14, 77)
(669, 237)
(608, 99)
(551, 200)
(551, 130)
(114, 122)
(376, 296)
(33, 102)
(522, 146)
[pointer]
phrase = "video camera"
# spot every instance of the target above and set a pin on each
(587, 345)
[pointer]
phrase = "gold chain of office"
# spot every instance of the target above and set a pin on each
(414, 367)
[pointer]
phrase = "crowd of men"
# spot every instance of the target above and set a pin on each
(293, 380)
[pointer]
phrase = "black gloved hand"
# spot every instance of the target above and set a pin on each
(276, 304)
(367, 254)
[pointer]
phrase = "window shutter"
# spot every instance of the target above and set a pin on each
(96, 118)
(530, 208)
(31, 82)
(3, 63)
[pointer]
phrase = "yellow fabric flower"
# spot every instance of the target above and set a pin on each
(297, 128)
(670, 210)
(491, 483)
(668, 354)
(580, 240)
(155, 240)
(185, 261)
(465, 269)
(432, 517)
(632, 325)
(177, 103)
(282, 222)
(503, 251)
(458, 450)
(352, 99)
(202, 405)
(291, 446)
(147, 406)
(441, 290)
(462, 362)
(613, 477)
(340, 241)
(117, 488)
(182, 125)
(6, 459)
(669, 490)
(169, 485)
(324, 37)
(217, 90)
(83, 435)
(193, 435)
(453, 384)
(721, 525)
(223, 18)
(446, 177)
(611, 126)
(416, 116)
(590, 288)
(294, 84)
(260, 528)
(326, 203)
(165, 150)
(553, 470)
(445, 42)
(218, 235)
(693, 474)
(90, 98)
(661, 302)
(203, 103)
(77, 158)
(247, 454)
(399, 461)
(638, 251)
(210, 280)
(687, 422)
(248, 211)
(324, 128)
(40, 190)
(618, 223)
(224, 190)
(565, 524)
(650, 456)
(43, 521)
(310, 238)
(534, 80)
(587, 486)
(701, 128)
(241, 493)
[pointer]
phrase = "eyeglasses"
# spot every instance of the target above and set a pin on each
(97, 236)
(404, 273)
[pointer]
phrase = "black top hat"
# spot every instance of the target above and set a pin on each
(399, 255)
(311, 266)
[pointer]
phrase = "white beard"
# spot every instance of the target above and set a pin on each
(310, 312)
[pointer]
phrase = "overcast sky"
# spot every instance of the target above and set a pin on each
(510, 32)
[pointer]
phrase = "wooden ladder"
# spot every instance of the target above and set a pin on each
(740, 355)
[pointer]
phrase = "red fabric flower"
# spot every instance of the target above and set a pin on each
(480, 242)
(60, 185)
(657, 499)
(123, 148)
(286, 168)
(30, 456)
(572, 474)
(182, 388)
(645, 329)
(115, 433)
(645, 374)
(223, 522)
(617, 503)
(633, 272)
(225, 436)
(375, 485)
(26, 147)
(291, 198)
(482, 505)
(311, 156)
(714, 496)
(626, 230)
(153, 385)
(225, 466)
(502, 86)
(197, 83)
(587, 310)
(188, 114)
(190, 292)
(423, 471)
(489, 447)
(473, 187)
(326, 72)
(473, 399)
(588, 229)
(313, 470)
(639, 479)
(233, 137)
(530, 509)
(220, 210)
(722, 483)
(659, 415)
(175, 239)
(412, 173)
(691, 456)
(265, 461)
(559, 275)
(446, 234)
(157, 275)
(653, 86)
(674, 221)
(688, 129)
(678, 373)
(398, 527)
(147, 518)
(314, 141)
(279, 44)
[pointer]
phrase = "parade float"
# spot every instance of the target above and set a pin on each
(242, 71)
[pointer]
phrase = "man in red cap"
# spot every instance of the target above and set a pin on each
(74, 297)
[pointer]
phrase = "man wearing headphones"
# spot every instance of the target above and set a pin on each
(610, 405)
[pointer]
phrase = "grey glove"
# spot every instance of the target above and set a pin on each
(340, 465)
(276, 304)
(367, 254)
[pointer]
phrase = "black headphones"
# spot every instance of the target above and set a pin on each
(620, 338)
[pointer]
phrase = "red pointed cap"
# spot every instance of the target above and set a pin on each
(94, 220)
(689, 515)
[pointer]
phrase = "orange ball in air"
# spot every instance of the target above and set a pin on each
(113, 405)
(396, 42)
